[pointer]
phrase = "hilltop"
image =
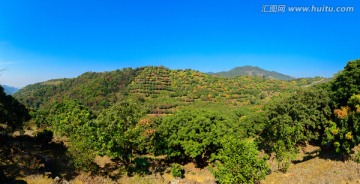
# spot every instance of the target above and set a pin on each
(253, 71)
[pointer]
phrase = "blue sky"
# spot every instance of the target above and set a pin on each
(46, 39)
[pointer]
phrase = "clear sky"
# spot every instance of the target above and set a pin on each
(47, 39)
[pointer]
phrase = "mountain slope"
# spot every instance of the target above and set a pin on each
(9, 90)
(253, 71)
(96, 90)
(161, 90)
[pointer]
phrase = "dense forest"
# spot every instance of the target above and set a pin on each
(152, 120)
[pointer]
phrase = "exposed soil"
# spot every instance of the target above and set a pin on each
(317, 168)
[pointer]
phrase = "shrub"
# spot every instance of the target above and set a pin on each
(177, 171)
(239, 162)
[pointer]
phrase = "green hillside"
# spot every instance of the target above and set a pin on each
(95, 90)
(253, 71)
(163, 90)
(143, 119)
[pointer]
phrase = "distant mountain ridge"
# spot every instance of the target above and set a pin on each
(253, 71)
(9, 90)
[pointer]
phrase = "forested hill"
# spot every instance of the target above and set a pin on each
(163, 90)
(93, 89)
(253, 71)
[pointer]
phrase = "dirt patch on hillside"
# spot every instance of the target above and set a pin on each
(317, 169)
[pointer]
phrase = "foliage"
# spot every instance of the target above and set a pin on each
(194, 134)
(163, 91)
(330, 118)
(296, 118)
(116, 131)
(177, 171)
(82, 146)
(72, 119)
(146, 141)
(343, 132)
(95, 90)
(251, 120)
(346, 83)
(191, 116)
(40, 117)
(67, 116)
(239, 162)
(113, 132)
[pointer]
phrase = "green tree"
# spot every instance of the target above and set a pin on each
(252, 121)
(344, 131)
(194, 134)
(239, 162)
(82, 146)
(346, 83)
(67, 116)
(73, 120)
(116, 131)
(296, 118)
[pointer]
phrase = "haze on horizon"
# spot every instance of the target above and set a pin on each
(42, 40)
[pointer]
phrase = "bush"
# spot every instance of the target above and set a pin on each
(177, 171)
(239, 162)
